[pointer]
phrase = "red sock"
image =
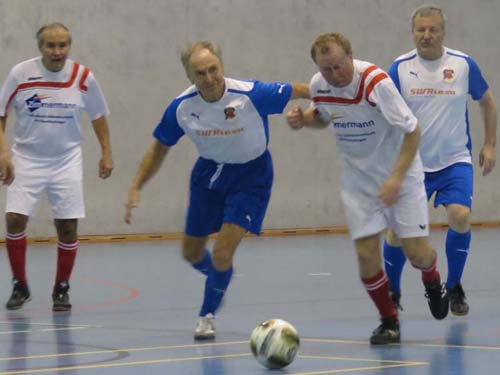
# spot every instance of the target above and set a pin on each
(16, 249)
(378, 289)
(430, 275)
(66, 254)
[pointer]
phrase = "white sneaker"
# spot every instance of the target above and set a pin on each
(205, 329)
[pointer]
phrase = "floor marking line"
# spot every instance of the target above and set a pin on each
(407, 343)
(152, 348)
(122, 364)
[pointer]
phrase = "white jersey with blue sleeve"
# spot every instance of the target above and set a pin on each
(436, 91)
(232, 130)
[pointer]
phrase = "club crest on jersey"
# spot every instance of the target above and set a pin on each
(35, 102)
(230, 113)
(448, 75)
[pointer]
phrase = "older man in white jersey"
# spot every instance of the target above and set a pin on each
(48, 94)
(227, 120)
(382, 179)
(435, 82)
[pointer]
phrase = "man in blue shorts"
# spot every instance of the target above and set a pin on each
(435, 80)
(227, 120)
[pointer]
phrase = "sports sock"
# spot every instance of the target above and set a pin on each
(430, 275)
(215, 287)
(66, 254)
(378, 289)
(17, 245)
(457, 249)
(394, 261)
(205, 264)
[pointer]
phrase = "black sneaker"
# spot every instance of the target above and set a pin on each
(20, 295)
(458, 306)
(396, 298)
(386, 333)
(60, 298)
(437, 298)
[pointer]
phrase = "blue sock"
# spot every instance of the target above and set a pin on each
(215, 287)
(394, 261)
(205, 264)
(457, 249)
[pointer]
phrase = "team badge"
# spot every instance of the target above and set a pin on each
(230, 113)
(448, 75)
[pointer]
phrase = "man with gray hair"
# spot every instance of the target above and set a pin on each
(435, 81)
(48, 94)
(227, 120)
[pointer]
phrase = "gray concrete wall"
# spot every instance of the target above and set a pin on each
(133, 47)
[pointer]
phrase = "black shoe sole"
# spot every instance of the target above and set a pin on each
(18, 307)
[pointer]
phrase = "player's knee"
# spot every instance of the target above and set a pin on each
(192, 255)
(16, 223)
(66, 229)
(419, 252)
(222, 260)
(366, 259)
(459, 218)
(392, 239)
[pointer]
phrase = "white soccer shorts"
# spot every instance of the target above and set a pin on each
(61, 180)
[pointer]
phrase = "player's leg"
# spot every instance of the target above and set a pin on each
(195, 252)
(423, 257)
(409, 219)
(366, 220)
(455, 193)
(16, 243)
(394, 261)
(377, 286)
(67, 248)
(220, 274)
(458, 241)
(22, 198)
(65, 195)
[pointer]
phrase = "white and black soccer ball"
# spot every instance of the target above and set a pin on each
(274, 343)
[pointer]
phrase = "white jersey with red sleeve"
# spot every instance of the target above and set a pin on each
(48, 106)
(369, 119)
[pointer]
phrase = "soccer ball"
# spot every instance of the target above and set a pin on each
(274, 343)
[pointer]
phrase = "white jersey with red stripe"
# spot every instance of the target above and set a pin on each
(436, 91)
(48, 106)
(369, 119)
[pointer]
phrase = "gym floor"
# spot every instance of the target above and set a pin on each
(135, 306)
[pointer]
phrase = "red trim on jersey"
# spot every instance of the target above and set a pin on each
(29, 85)
(356, 99)
(379, 77)
(82, 84)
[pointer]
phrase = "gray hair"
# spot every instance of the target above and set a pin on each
(50, 26)
(188, 51)
(427, 10)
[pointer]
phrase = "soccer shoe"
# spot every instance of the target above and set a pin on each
(60, 297)
(458, 306)
(205, 329)
(437, 298)
(396, 298)
(20, 295)
(386, 333)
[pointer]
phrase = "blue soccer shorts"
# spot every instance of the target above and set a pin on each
(454, 184)
(229, 193)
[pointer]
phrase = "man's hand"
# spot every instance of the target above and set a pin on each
(133, 200)
(389, 192)
(295, 118)
(487, 158)
(6, 170)
(105, 167)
